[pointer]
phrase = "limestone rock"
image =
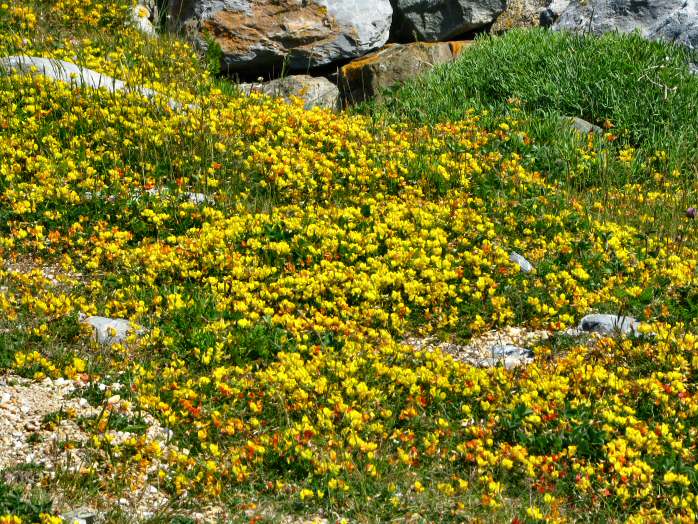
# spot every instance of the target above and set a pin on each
(395, 63)
(110, 331)
(606, 324)
(669, 20)
(72, 74)
(140, 18)
(192, 197)
(314, 91)
(80, 516)
(508, 355)
(432, 20)
(298, 34)
(524, 264)
(582, 125)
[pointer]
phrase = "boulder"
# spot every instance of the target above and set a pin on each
(314, 91)
(669, 20)
(368, 76)
(606, 324)
(520, 13)
(295, 34)
(432, 20)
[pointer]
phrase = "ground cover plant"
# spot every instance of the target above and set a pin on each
(277, 259)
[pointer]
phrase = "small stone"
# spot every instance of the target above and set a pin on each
(510, 350)
(140, 18)
(113, 399)
(606, 324)
(524, 264)
(582, 126)
(110, 331)
(80, 516)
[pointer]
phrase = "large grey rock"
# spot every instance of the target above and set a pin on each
(297, 33)
(72, 74)
(431, 20)
(314, 91)
(669, 20)
(606, 324)
(367, 76)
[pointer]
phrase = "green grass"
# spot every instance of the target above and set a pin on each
(643, 88)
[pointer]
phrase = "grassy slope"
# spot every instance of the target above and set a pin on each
(275, 313)
(644, 89)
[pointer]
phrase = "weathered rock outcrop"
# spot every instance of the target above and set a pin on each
(670, 20)
(314, 91)
(432, 20)
(298, 34)
(395, 63)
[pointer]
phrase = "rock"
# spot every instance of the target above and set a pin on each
(140, 18)
(524, 264)
(508, 355)
(314, 91)
(80, 516)
(114, 399)
(198, 198)
(298, 34)
(606, 324)
(110, 331)
(582, 125)
(432, 20)
(552, 12)
(194, 198)
(510, 350)
(368, 76)
(72, 74)
(669, 20)
(519, 13)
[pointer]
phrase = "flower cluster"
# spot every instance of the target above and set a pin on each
(278, 258)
